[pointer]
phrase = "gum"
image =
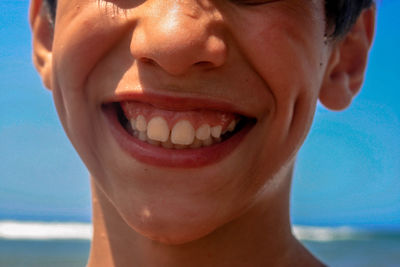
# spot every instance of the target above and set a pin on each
(195, 117)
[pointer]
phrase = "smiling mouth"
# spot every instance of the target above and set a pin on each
(182, 130)
(176, 132)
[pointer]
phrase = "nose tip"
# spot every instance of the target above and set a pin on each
(178, 43)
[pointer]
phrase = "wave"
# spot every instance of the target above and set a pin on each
(29, 230)
(324, 234)
(45, 230)
(342, 233)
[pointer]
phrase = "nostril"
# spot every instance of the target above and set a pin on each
(147, 61)
(204, 64)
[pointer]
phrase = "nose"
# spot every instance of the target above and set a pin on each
(179, 36)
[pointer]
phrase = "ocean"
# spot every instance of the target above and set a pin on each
(45, 244)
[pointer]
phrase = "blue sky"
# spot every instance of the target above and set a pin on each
(348, 171)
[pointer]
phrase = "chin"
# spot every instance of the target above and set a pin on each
(173, 228)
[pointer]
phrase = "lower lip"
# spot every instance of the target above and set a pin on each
(159, 156)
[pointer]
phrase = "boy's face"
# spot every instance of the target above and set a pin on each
(264, 63)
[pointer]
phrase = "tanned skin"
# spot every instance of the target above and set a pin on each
(270, 61)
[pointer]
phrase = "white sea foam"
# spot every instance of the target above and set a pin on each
(44, 230)
(74, 230)
(325, 234)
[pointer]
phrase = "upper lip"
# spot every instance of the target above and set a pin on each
(178, 103)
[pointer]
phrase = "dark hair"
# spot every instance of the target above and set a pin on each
(51, 6)
(340, 14)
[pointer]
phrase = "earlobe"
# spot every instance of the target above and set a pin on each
(42, 33)
(345, 71)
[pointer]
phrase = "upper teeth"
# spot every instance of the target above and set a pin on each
(157, 129)
(231, 126)
(141, 124)
(182, 135)
(203, 132)
(216, 130)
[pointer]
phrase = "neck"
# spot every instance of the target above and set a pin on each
(260, 237)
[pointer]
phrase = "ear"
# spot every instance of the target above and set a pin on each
(42, 32)
(345, 71)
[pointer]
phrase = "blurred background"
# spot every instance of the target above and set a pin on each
(346, 191)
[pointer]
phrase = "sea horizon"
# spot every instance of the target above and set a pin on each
(75, 230)
(67, 244)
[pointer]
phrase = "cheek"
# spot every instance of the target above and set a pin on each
(284, 43)
(82, 39)
(286, 52)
